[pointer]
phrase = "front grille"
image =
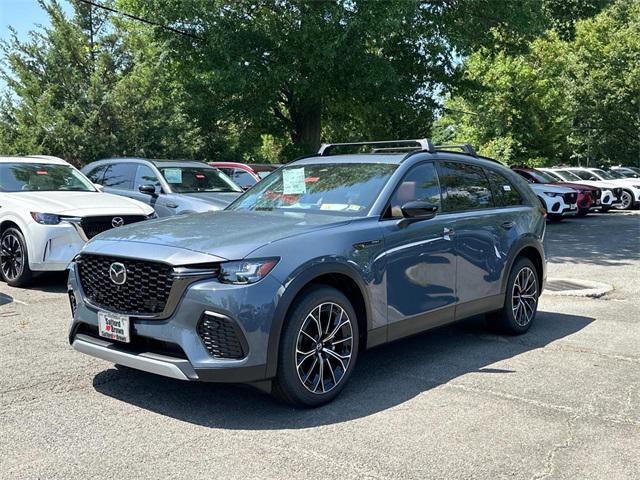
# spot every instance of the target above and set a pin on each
(145, 291)
(92, 226)
(570, 198)
(596, 194)
(221, 337)
(617, 192)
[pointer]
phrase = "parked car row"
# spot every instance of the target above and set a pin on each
(569, 191)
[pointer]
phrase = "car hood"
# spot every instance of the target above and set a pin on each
(217, 199)
(81, 203)
(547, 187)
(579, 186)
(229, 235)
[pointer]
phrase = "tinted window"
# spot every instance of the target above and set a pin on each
(504, 193)
(120, 176)
(96, 174)
(243, 178)
(227, 171)
(421, 183)
(584, 175)
(464, 187)
(146, 176)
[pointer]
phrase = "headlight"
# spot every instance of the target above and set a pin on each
(45, 218)
(246, 271)
(552, 194)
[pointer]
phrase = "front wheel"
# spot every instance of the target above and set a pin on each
(14, 258)
(318, 348)
(627, 201)
(521, 299)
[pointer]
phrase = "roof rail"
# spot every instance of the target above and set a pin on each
(465, 147)
(421, 144)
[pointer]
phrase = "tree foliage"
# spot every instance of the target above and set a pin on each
(562, 101)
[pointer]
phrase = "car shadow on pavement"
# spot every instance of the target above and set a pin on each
(384, 377)
(5, 299)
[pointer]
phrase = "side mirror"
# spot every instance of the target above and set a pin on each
(147, 189)
(418, 210)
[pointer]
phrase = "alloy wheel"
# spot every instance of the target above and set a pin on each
(324, 347)
(11, 257)
(524, 296)
(626, 201)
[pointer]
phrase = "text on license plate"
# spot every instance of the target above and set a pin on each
(114, 326)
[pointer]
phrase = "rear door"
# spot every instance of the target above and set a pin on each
(484, 230)
(420, 259)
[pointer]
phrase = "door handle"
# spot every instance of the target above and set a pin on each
(507, 225)
(447, 233)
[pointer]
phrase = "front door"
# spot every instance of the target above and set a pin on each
(420, 256)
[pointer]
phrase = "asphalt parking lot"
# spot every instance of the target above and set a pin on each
(460, 402)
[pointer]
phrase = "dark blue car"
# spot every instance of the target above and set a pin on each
(329, 255)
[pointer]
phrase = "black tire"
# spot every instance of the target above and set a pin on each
(554, 218)
(605, 209)
(14, 258)
(510, 319)
(582, 212)
(299, 353)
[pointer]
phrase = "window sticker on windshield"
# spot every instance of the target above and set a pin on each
(173, 175)
(506, 188)
(293, 181)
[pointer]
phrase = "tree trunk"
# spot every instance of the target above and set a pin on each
(306, 120)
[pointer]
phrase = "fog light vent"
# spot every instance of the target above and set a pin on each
(221, 336)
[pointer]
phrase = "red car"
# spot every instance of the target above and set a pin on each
(240, 173)
(588, 196)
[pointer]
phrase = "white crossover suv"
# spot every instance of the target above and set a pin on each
(48, 210)
(559, 202)
(630, 193)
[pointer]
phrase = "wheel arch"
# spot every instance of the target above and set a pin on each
(335, 274)
(531, 249)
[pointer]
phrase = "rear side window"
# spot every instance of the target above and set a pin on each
(420, 184)
(464, 187)
(243, 178)
(504, 193)
(120, 176)
(96, 174)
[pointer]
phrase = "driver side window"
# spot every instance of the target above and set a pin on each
(420, 184)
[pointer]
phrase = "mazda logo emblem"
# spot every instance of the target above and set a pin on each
(118, 273)
(117, 222)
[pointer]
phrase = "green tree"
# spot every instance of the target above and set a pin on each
(347, 69)
(84, 88)
(561, 101)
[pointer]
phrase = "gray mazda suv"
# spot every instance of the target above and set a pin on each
(326, 257)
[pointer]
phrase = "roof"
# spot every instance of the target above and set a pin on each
(180, 163)
(34, 159)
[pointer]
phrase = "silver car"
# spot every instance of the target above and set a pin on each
(171, 187)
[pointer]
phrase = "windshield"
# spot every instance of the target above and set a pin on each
(542, 177)
(348, 189)
(42, 177)
(603, 174)
(195, 180)
(615, 174)
(570, 176)
(554, 175)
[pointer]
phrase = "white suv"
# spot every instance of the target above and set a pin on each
(48, 210)
(630, 197)
(559, 202)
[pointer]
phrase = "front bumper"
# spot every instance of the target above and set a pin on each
(173, 347)
(53, 246)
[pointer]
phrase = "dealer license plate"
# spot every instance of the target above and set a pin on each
(114, 326)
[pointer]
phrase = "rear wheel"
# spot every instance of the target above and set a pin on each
(14, 258)
(318, 348)
(521, 299)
